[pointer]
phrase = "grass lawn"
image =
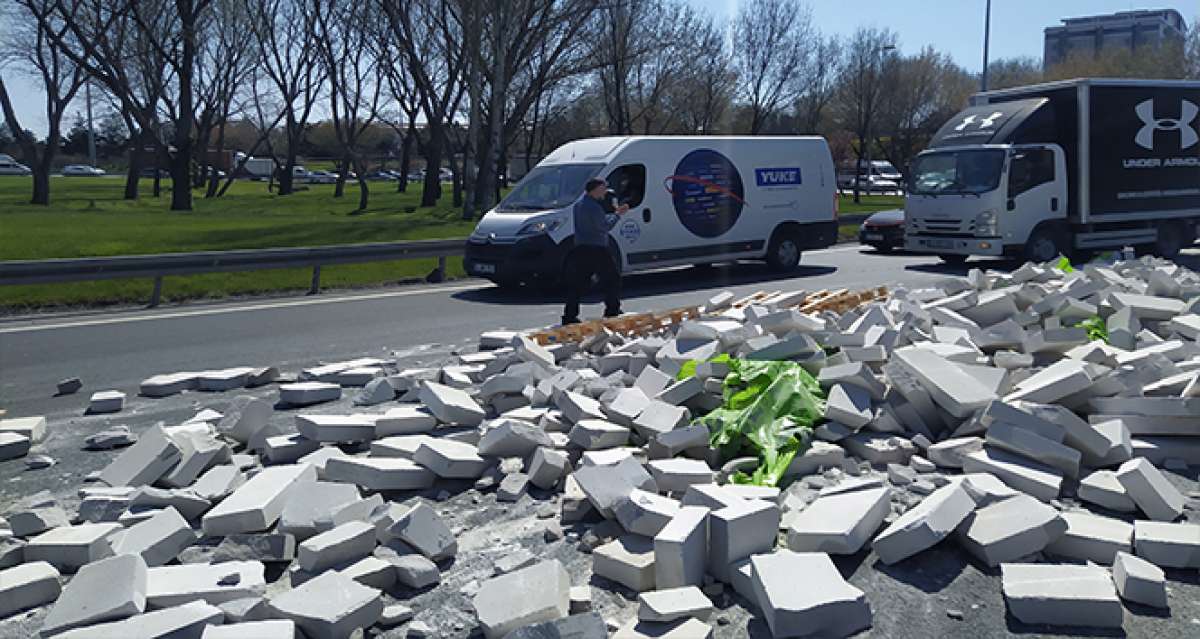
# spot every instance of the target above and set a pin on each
(88, 218)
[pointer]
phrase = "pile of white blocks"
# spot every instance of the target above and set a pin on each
(974, 413)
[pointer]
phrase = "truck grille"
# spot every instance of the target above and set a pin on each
(948, 228)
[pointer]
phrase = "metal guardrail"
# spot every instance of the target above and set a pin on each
(15, 272)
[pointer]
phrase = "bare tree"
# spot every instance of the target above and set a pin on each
(813, 104)
(32, 48)
(1014, 72)
(225, 58)
(919, 94)
(861, 88)
(624, 36)
(345, 44)
(775, 44)
(285, 32)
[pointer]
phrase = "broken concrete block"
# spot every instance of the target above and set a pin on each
(308, 393)
(681, 549)
(27, 585)
(13, 446)
(839, 524)
(423, 529)
(374, 572)
(376, 391)
(379, 473)
(213, 583)
(69, 547)
(738, 531)
(110, 401)
(336, 428)
(268, 548)
(1060, 379)
(605, 486)
(31, 428)
(1147, 487)
(403, 446)
(597, 434)
(547, 467)
(148, 499)
(652, 381)
(1026, 442)
(676, 474)
(1092, 538)
(168, 384)
(576, 407)
(512, 487)
(1061, 595)
(1102, 488)
(879, 448)
(1139, 581)
(659, 418)
(957, 393)
(849, 405)
(415, 571)
(670, 604)
(348, 542)
(1168, 545)
(450, 459)
(645, 513)
(144, 462)
(539, 593)
(244, 418)
(186, 620)
(627, 560)
(405, 420)
(288, 449)
(1010, 529)
(681, 391)
(258, 503)
(198, 452)
(512, 438)
(270, 629)
(924, 525)
(112, 588)
(69, 386)
(117, 437)
(329, 606)
(1023, 474)
(158, 540)
(819, 456)
(821, 603)
(676, 441)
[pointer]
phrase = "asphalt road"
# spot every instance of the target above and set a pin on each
(938, 593)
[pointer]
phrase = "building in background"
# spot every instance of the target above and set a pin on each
(1130, 30)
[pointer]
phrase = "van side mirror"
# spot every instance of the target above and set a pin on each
(1012, 204)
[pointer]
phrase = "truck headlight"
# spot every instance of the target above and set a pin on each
(987, 224)
(539, 227)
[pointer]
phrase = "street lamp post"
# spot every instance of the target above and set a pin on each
(987, 36)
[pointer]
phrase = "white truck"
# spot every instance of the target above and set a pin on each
(1068, 168)
(692, 200)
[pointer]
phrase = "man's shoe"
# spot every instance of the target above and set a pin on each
(567, 321)
(612, 315)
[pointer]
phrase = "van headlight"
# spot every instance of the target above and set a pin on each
(987, 224)
(539, 227)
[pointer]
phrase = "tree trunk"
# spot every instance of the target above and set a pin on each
(456, 180)
(363, 192)
(406, 157)
(213, 179)
(134, 173)
(432, 189)
(41, 185)
(339, 186)
(181, 174)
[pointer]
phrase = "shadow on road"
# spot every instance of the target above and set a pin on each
(653, 283)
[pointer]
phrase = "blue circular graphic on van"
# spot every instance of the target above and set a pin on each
(630, 231)
(707, 192)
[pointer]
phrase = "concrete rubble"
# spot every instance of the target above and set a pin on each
(973, 414)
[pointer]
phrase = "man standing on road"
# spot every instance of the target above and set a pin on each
(591, 256)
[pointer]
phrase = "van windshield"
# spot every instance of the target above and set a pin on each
(957, 172)
(549, 187)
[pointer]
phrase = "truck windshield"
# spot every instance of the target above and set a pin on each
(957, 172)
(549, 187)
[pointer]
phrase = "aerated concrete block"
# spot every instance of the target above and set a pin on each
(670, 604)
(270, 629)
(660, 418)
(924, 525)
(1139, 581)
(1168, 545)
(605, 486)
(1009, 529)
(329, 606)
(1092, 538)
(576, 407)
(1023, 474)
(213, 583)
(627, 560)
(645, 513)
(547, 467)
(70, 547)
(1029, 444)
(158, 540)
(1061, 595)
(268, 548)
(311, 514)
(144, 462)
(336, 428)
(405, 420)
(379, 473)
(257, 504)
(244, 418)
(31, 428)
(423, 529)
(1064, 377)
(849, 405)
(27, 585)
(450, 459)
(112, 588)
(597, 434)
(821, 603)
(819, 455)
(955, 392)
(681, 629)
(186, 620)
(652, 381)
(1147, 487)
(13, 446)
(350, 541)
(738, 531)
(839, 524)
(681, 549)
(626, 405)
(512, 438)
(539, 593)
(879, 449)
(676, 474)
(308, 393)
(1102, 488)
(110, 401)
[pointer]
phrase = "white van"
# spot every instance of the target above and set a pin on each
(692, 200)
(9, 166)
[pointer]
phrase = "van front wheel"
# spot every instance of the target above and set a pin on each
(784, 253)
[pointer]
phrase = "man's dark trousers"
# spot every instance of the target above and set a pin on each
(581, 265)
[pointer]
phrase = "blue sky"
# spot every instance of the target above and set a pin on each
(952, 26)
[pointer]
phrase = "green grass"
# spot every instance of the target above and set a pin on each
(88, 218)
(870, 204)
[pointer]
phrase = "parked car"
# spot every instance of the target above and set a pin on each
(321, 177)
(383, 176)
(81, 170)
(9, 166)
(882, 178)
(883, 231)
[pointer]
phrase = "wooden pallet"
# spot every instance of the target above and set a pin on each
(634, 324)
(841, 300)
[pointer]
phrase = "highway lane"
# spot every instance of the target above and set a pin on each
(116, 350)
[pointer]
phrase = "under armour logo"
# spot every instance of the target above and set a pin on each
(983, 124)
(1187, 133)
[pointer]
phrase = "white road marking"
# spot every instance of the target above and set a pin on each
(261, 306)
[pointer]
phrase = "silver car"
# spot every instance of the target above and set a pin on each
(81, 170)
(9, 166)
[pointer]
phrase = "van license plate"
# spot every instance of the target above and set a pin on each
(875, 237)
(485, 269)
(940, 244)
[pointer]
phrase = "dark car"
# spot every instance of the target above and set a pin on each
(884, 231)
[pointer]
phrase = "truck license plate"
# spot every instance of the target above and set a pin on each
(940, 244)
(485, 269)
(875, 237)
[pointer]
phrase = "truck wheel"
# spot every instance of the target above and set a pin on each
(1170, 241)
(953, 259)
(1043, 245)
(784, 253)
